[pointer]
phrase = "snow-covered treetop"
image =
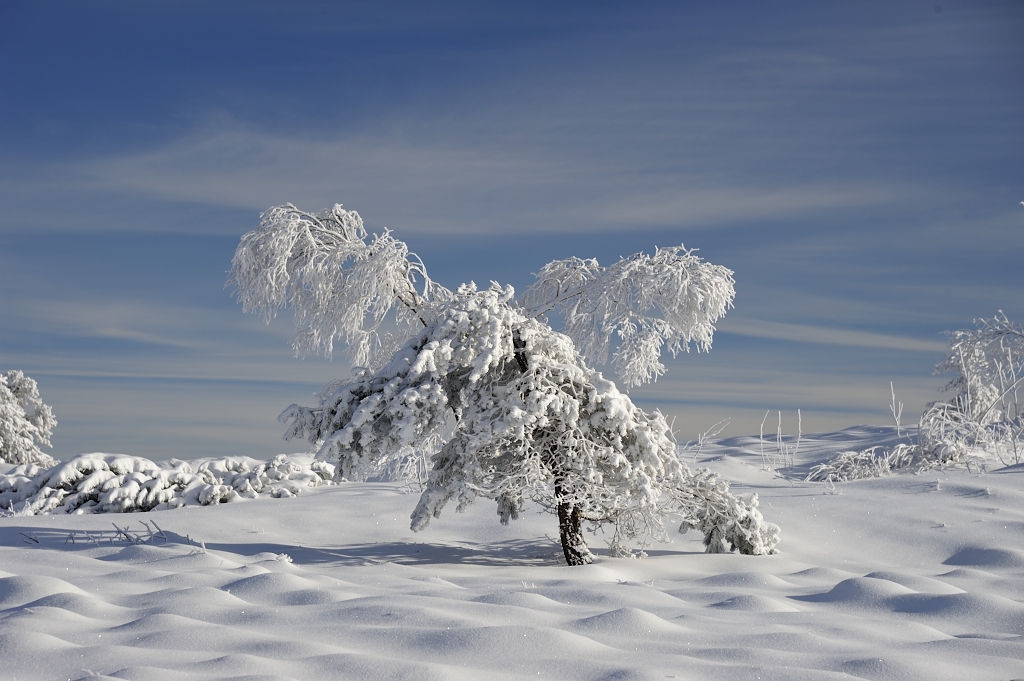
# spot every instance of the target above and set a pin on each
(685, 294)
(342, 284)
(339, 285)
(988, 363)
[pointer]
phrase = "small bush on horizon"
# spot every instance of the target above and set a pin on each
(983, 417)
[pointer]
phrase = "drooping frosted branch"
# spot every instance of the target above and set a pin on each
(672, 297)
(338, 285)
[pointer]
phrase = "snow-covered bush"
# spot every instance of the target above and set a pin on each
(868, 463)
(988, 363)
(115, 483)
(983, 417)
(25, 422)
(985, 412)
(521, 415)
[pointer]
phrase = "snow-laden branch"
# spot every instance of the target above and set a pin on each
(340, 283)
(644, 301)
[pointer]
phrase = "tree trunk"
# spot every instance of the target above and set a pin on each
(570, 531)
(570, 516)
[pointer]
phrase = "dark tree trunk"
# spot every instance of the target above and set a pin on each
(570, 516)
(570, 531)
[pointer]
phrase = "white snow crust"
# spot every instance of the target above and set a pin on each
(898, 577)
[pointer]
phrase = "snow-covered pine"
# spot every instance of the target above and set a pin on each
(522, 415)
(115, 483)
(25, 421)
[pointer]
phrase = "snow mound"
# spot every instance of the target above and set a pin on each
(116, 483)
(16, 591)
(988, 558)
(754, 604)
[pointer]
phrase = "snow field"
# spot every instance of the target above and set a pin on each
(901, 577)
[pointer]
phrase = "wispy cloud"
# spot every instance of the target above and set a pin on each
(456, 186)
(123, 320)
(827, 336)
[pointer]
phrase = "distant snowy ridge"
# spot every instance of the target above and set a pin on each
(117, 483)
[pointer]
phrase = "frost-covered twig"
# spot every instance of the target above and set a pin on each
(764, 459)
(897, 411)
(713, 431)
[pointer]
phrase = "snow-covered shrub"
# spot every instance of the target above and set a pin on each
(984, 415)
(869, 463)
(25, 421)
(115, 483)
(988, 363)
(985, 411)
(521, 415)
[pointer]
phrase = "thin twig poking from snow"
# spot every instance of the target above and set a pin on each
(784, 457)
(799, 435)
(897, 412)
(713, 431)
(764, 459)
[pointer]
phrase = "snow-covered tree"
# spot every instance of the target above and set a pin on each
(25, 422)
(522, 415)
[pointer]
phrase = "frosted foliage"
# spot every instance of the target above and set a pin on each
(115, 483)
(531, 422)
(340, 283)
(25, 421)
(645, 302)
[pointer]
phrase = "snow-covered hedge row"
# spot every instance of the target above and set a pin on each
(115, 483)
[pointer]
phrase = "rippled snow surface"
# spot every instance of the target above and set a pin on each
(905, 577)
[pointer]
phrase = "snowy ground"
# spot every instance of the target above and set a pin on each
(904, 577)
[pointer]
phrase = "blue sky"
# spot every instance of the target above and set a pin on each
(858, 165)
